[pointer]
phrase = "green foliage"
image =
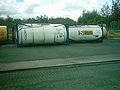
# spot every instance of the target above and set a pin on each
(116, 10)
(89, 18)
(115, 25)
(64, 21)
(107, 16)
(105, 10)
(10, 22)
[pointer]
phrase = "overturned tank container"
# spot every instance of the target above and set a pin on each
(3, 33)
(86, 33)
(41, 34)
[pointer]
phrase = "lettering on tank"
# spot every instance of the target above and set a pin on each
(85, 32)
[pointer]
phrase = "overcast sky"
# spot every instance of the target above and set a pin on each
(52, 8)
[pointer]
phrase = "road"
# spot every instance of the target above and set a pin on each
(92, 76)
(11, 53)
(99, 76)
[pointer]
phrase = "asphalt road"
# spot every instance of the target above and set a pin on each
(102, 76)
(11, 53)
(93, 76)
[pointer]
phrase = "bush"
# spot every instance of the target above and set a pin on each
(115, 25)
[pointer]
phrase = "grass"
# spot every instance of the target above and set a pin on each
(114, 34)
(9, 36)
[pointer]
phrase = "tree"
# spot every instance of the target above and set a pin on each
(42, 19)
(115, 15)
(2, 21)
(105, 10)
(116, 10)
(106, 15)
(60, 20)
(88, 17)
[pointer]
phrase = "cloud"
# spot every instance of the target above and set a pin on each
(30, 9)
(72, 7)
(19, 1)
(56, 8)
(8, 8)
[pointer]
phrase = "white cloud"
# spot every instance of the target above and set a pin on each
(93, 4)
(56, 8)
(8, 8)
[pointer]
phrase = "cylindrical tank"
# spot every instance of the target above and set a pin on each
(85, 32)
(41, 34)
(3, 33)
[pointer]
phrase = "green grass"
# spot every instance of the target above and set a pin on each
(114, 34)
(9, 36)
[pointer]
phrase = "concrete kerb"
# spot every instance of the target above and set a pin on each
(15, 66)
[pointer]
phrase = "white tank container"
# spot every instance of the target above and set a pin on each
(85, 32)
(41, 34)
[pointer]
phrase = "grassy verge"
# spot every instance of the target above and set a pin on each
(9, 36)
(114, 34)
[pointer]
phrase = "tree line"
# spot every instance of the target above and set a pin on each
(9, 21)
(109, 15)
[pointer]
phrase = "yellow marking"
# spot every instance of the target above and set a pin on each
(87, 32)
(3, 33)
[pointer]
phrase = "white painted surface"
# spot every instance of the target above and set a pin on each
(41, 34)
(86, 32)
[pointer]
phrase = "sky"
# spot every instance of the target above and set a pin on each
(52, 8)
